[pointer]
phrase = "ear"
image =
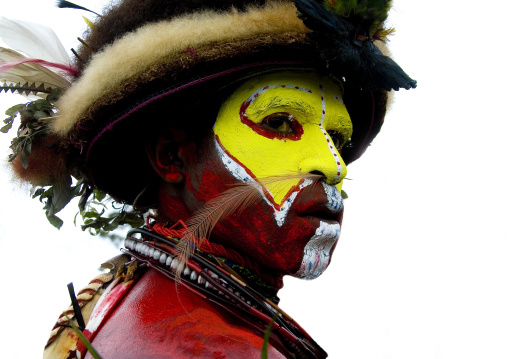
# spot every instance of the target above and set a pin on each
(163, 156)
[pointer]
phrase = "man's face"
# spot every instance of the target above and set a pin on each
(274, 127)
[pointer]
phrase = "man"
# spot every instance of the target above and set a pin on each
(235, 120)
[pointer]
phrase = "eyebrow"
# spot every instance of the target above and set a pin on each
(278, 101)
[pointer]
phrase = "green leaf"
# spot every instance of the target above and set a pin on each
(6, 128)
(97, 224)
(40, 114)
(43, 105)
(134, 220)
(99, 195)
(47, 193)
(90, 214)
(28, 147)
(343, 194)
(61, 197)
(75, 190)
(24, 160)
(83, 200)
(38, 192)
(54, 95)
(55, 221)
(28, 113)
(84, 340)
(266, 339)
(14, 110)
(110, 227)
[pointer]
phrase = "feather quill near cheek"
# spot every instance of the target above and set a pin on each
(234, 200)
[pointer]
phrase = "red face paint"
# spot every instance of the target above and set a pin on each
(274, 125)
(252, 232)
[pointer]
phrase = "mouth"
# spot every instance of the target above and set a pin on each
(320, 205)
(324, 214)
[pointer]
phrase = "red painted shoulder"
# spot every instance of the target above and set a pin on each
(158, 319)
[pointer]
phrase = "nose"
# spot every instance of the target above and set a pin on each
(331, 175)
(324, 159)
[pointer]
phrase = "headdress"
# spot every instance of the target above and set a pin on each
(152, 64)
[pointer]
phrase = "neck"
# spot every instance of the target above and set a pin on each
(214, 252)
(172, 209)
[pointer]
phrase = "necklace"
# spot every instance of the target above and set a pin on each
(222, 286)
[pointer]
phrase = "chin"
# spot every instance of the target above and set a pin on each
(317, 252)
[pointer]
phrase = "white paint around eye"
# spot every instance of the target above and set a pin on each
(316, 254)
(241, 174)
(333, 150)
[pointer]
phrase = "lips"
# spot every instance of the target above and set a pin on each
(315, 202)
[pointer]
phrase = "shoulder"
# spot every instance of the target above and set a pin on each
(158, 318)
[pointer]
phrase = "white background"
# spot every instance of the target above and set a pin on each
(421, 268)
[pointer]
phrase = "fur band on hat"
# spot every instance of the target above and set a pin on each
(165, 42)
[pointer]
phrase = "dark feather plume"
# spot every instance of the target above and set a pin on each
(67, 4)
(346, 45)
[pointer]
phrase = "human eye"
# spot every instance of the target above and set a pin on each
(282, 123)
(337, 138)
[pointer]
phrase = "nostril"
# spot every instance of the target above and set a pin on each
(319, 173)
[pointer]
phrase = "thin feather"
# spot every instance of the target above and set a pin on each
(71, 5)
(32, 50)
(33, 73)
(234, 200)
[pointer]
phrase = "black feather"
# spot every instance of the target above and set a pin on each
(348, 51)
(67, 4)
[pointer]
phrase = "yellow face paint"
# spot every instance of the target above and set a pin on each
(283, 124)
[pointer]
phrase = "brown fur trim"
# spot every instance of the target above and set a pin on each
(46, 166)
(183, 67)
(129, 15)
(166, 40)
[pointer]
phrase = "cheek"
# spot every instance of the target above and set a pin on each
(205, 177)
(254, 233)
(205, 185)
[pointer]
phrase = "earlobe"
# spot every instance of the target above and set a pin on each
(163, 156)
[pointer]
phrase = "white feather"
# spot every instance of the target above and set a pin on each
(33, 40)
(30, 72)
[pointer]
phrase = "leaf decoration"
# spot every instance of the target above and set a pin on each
(266, 338)
(31, 127)
(343, 194)
(93, 202)
(83, 339)
(94, 210)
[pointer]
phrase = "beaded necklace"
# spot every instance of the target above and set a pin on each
(213, 280)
